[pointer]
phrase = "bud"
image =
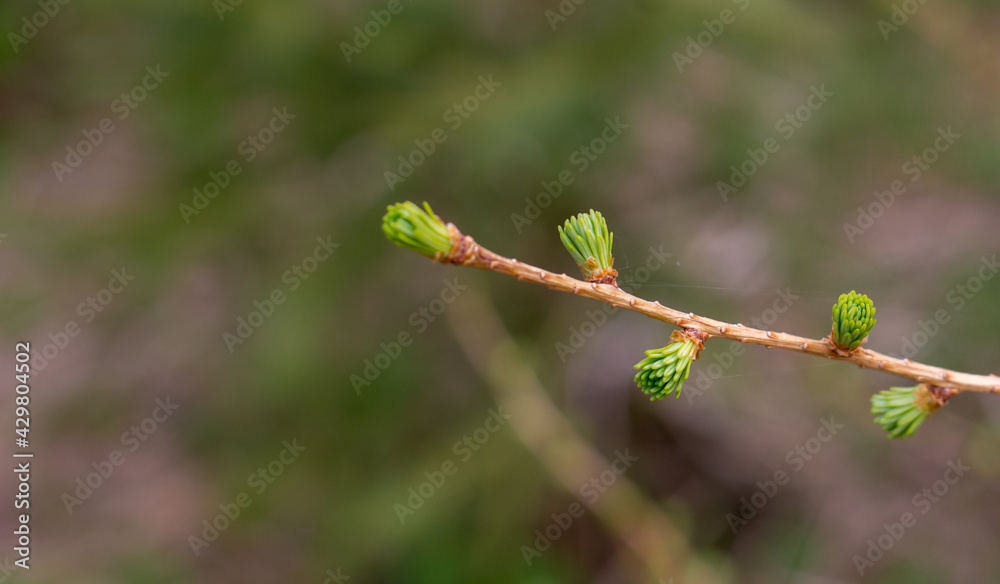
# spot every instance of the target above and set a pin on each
(901, 410)
(419, 230)
(588, 240)
(664, 371)
(853, 319)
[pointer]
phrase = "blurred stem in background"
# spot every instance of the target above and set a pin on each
(658, 550)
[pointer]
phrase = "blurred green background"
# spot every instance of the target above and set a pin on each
(118, 117)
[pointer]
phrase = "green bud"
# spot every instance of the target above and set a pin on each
(420, 230)
(853, 319)
(664, 371)
(588, 240)
(901, 410)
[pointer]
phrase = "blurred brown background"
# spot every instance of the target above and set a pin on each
(193, 198)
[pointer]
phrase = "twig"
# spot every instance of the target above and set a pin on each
(470, 253)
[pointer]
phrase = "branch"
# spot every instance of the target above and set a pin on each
(937, 384)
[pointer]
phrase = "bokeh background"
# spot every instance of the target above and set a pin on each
(216, 76)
